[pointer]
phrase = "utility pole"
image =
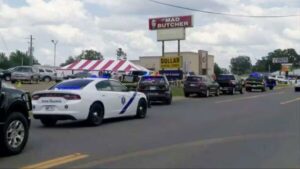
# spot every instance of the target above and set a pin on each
(31, 49)
(54, 43)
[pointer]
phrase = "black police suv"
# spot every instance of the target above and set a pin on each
(14, 119)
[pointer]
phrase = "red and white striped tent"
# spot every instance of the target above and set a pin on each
(94, 66)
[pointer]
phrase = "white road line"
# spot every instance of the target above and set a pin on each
(247, 98)
(290, 101)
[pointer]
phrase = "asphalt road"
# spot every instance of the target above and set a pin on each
(254, 130)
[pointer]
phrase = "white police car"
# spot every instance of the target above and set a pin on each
(87, 99)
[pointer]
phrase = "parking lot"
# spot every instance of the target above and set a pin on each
(251, 130)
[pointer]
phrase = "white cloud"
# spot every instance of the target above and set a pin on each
(123, 23)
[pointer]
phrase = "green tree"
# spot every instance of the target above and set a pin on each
(266, 62)
(217, 69)
(225, 71)
(90, 55)
(86, 54)
(70, 60)
(241, 65)
(4, 62)
(121, 55)
(19, 58)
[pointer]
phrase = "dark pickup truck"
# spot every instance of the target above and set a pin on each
(14, 119)
(255, 83)
(230, 83)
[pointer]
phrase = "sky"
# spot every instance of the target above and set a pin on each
(105, 25)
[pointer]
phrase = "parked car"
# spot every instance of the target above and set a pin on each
(79, 75)
(90, 99)
(47, 74)
(14, 119)
(6, 74)
(230, 83)
(297, 85)
(156, 88)
(201, 85)
(25, 73)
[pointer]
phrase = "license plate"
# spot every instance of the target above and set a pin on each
(153, 94)
(49, 108)
(152, 88)
(192, 85)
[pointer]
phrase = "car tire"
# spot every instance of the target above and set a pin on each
(271, 88)
(241, 91)
(186, 94)
(218, 92)
(31, 80)
(232, 92)
(13, 81)
(96, 115)
(49, 122)
(18, 126)
(207, 93)
(7, 78)
(169, 101)
(263, 90)
(141, 111)
(47, 79)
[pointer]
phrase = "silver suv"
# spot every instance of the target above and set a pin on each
(25, 73)
(47, 74)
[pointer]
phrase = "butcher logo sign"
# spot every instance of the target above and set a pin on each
(173, 62)
(171, 22)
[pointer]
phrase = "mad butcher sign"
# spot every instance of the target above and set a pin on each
(170, 22)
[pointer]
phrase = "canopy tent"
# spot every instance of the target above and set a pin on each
(103, 65)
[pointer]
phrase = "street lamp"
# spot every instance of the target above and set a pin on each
(54, 43)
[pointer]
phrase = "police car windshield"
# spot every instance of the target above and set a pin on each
(72, 85)
(153, 80)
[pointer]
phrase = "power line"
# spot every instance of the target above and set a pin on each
(221, 13)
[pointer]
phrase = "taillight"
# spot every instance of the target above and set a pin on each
(163, 87)
(72, 97)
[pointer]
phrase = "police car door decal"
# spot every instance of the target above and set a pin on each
(128, 103)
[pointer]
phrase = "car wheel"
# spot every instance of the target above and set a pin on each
(263, 89)
(31, 80)
(169, 101)
(48, 122)
(207, 93)
(186, 94)
(7, 78)
(218, 92)
(271, 88)
(241, 91)
(14, 134)
(141, 111)
(47, 79)
(96, 115)
(232, 92)
(13, 81)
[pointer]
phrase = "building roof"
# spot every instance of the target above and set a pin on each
(104, 65)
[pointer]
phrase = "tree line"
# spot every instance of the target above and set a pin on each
(242, 64)
(16, 58)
